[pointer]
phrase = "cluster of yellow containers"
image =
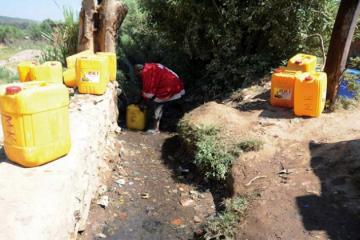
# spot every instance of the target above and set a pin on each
(34, 112)
(299, 86)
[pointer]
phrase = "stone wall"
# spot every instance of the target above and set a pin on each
(52, 201)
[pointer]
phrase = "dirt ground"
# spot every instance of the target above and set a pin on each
(306, 180)
(308, 171)
(151, 195)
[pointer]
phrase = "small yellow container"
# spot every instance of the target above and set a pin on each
(70, 77)
(112, 64)
(25, 70)
(71, 60)
(135, 118)
(302, 62)
(49, 72)
(282, 87)
(92, 74)
(35, 121)
(310, 94)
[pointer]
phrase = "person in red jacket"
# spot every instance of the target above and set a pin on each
(159, 85)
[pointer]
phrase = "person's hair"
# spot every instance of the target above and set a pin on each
(138, 68)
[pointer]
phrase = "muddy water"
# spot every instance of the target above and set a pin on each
(161, 198)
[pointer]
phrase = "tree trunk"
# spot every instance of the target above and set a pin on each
(111, 15)
(99, 23)
(86, 25)
(341, 38)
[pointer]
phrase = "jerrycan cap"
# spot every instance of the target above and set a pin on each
(298, 62)
(11, 90)
(278, 70)
(309, 78)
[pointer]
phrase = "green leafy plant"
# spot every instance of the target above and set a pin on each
(63, 38)
(223, 225)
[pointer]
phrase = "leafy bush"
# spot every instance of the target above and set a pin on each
(9, 33)
(223, 225)
(354, 63)
(228, 44)
(7, 76)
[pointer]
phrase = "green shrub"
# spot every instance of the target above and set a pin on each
(9, 33)
(223, 225)
(354, 63)
(7, 76)
(212, 155)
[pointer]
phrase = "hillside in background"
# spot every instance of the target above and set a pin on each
(17, 22)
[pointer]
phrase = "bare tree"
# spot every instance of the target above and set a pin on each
(99, 23)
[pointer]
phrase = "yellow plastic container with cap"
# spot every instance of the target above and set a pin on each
(112, 64)
(92, 74)
(282, 87)
(310, 94)
(70, 77)
(71, 60)
(35, 121)
(302, 62)
(48, 71)
(25, 70)
(135, 118)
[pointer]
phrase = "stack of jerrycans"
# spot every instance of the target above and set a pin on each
(49, 71)
(35, 121)
(299, 86)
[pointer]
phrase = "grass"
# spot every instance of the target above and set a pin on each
(7, 52)
(212, 155)
(223, 225)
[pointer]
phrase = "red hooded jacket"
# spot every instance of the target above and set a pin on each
(161, 83)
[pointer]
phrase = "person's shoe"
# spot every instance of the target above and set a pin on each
(152, 132)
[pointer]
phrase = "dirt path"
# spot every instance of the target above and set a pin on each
(151, 196)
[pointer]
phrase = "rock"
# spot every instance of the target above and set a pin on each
(103, 201)
(120, 182)
(181, 189)
(102, 189)
(145, 196)
(186, 202)
(117, 130)
(177, 221)
(197, 219)
(131, 183)
(101, 235)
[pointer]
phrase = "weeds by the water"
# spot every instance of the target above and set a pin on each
(211, 154)
(223, 225)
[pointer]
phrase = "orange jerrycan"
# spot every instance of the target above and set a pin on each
(112, 64)
(92, 74)
(70, 77)
(71, 60)
(282, 87)
(302, 62)
(25, 71)
(310, 94)
(135, 118)
(35, 121)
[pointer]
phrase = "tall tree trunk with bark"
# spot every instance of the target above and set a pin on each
(99, 23)
(341, 38)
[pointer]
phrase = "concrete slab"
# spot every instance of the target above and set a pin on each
(52, 201)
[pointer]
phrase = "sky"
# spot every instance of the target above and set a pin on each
(37, 9)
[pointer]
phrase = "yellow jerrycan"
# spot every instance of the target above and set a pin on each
(35, 121)
(92, 74)
(135, 118)
(282, 87)
(49, 71)
(302, 62)
(112, 64)
(70, 77)
(25, 70)
(310, 94)
(71, 60)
